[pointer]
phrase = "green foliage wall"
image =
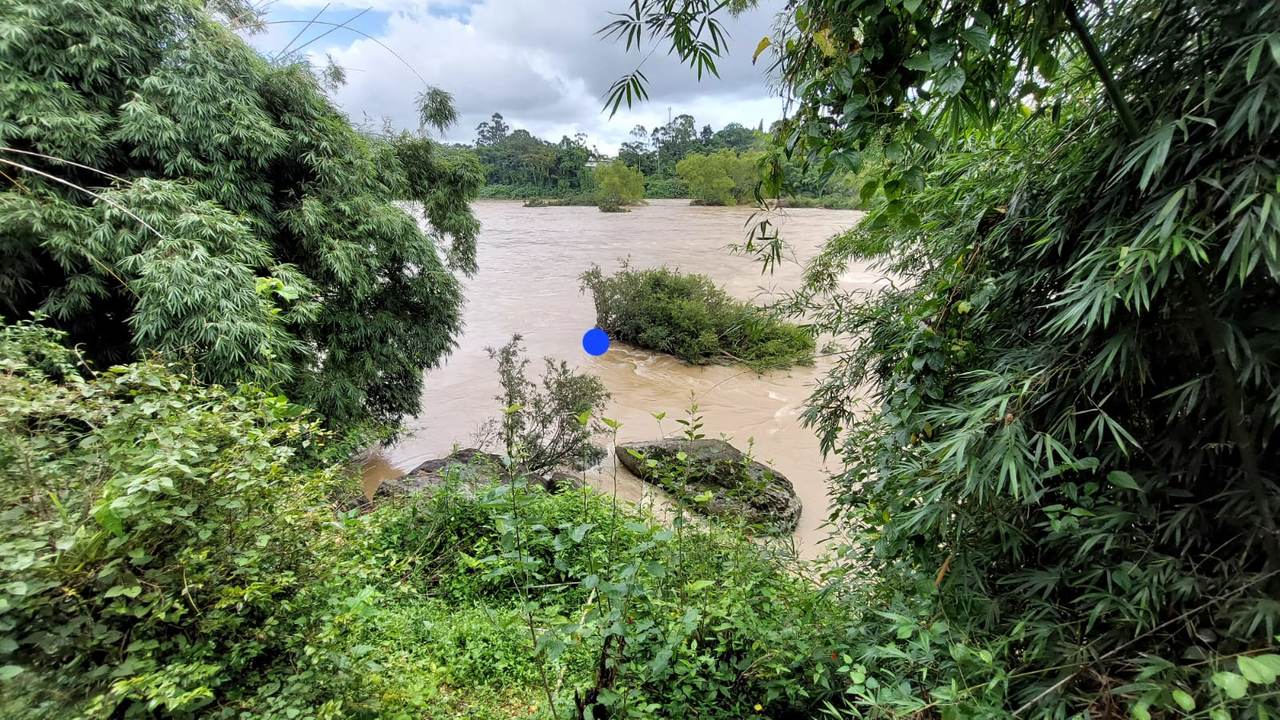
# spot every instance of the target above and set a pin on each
(156, 534)
(166, 550)
(237, 219)
(519, 159)
(1063, 494)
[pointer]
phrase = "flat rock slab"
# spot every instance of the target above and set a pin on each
(475, 468)
(739, 487)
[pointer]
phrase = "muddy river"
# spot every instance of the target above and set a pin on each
(530, 259)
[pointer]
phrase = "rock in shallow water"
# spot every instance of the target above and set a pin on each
(475, 469)
(739, 487)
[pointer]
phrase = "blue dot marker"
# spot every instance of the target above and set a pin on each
(595, 341)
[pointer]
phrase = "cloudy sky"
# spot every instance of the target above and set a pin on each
(538, 62)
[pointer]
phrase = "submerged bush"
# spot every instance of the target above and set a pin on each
(665, 188)
(545, 425)
(617, 186)
(688, 316)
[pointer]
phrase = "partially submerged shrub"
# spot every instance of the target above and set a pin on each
(618, 186)
(688, 316)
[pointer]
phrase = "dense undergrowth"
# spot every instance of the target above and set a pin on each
(688, 316)
(167, 549)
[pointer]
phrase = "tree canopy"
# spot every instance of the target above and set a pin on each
(168, 189)
(618, 185)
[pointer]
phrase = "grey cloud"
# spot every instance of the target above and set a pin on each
(542, 65)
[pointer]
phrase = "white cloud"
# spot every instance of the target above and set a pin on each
(538, 62)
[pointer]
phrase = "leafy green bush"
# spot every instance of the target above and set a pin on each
(1067, 469)
(686, 315)
(665, 188)
(155, 534)
(617, 186)
(222, 209)
(694, 623)
(720, 178)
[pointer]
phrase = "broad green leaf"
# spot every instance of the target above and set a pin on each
(950, 81)
(1184, 700)
(919, 62)
(1235, 686)
(1269, 661)
(1122, 479)
(1255, 671)
(129, 591)
(9, 672)
(110, 521)
(978, 38)
(823, 39)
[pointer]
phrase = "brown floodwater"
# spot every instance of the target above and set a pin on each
(530, 259)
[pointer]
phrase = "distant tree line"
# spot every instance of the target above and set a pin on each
(675, 160)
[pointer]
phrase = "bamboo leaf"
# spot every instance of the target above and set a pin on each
(763, 45)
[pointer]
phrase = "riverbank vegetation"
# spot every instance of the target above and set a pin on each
(1068, 467)
(171, 548)
(688, 316)
(181, 195)
(1061, 502)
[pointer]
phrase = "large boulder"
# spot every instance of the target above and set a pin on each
(475, 468)
(738, 487)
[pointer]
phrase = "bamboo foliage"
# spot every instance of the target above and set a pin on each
(1063, 497)
(274, 249)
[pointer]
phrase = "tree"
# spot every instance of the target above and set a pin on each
(492, 131)
(708, 177)
(734, 137)
(167, 189)
(1067, 478)
(673, 141)
(719, 178)
(617, 186)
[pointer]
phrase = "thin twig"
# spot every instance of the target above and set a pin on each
(381, 44)
(305, 28)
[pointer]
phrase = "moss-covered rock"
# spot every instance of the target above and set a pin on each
(736, 485)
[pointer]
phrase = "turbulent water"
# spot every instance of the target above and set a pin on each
(530, 259)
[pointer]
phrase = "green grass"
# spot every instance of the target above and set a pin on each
(688, 316)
